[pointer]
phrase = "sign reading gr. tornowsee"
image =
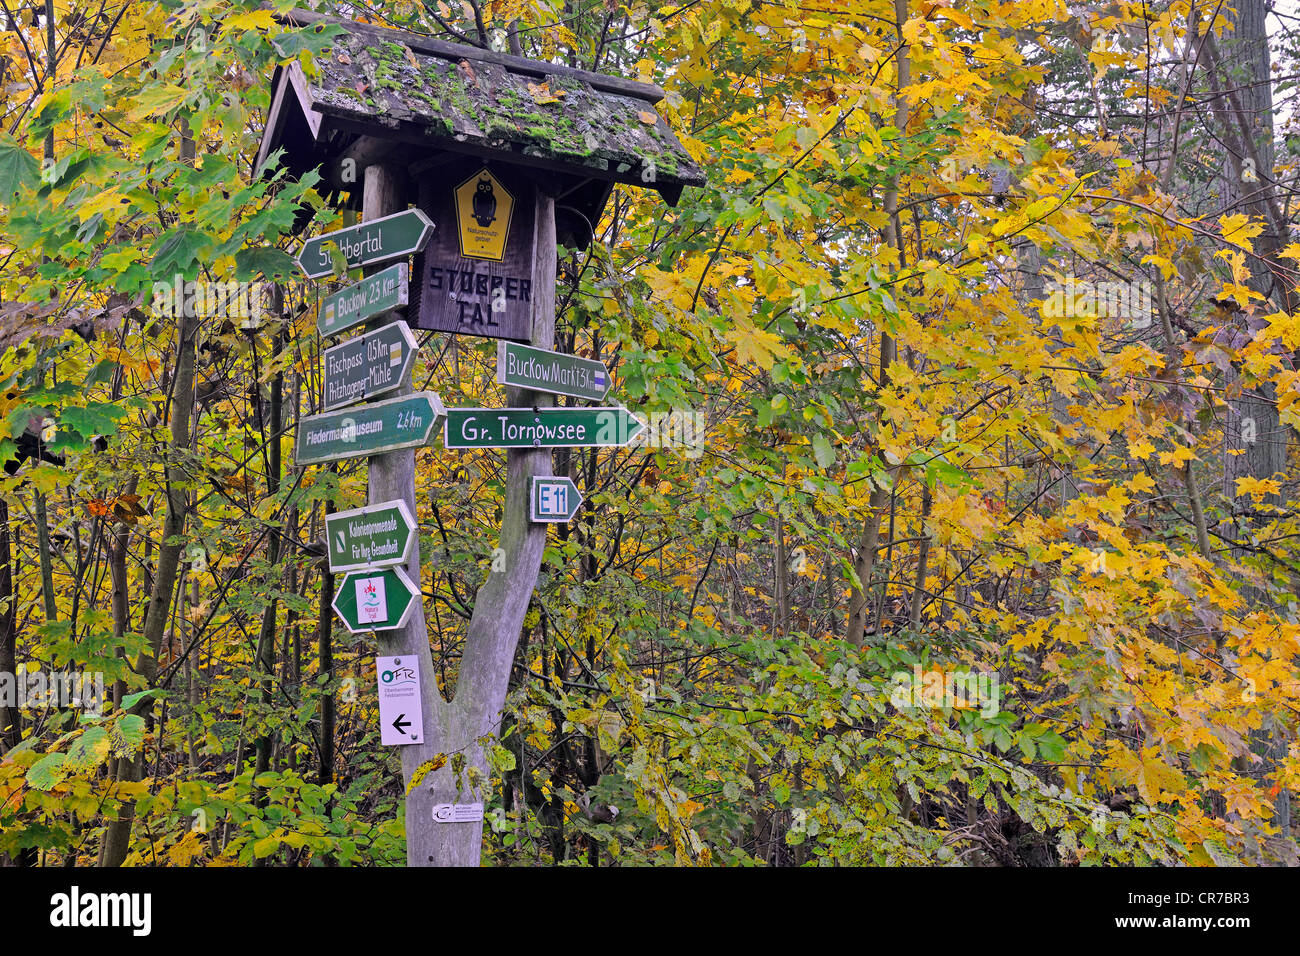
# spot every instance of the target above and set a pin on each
(373, 536)
(376, 240)
(368, 365)
(374, 429)
(540, 427)
(375, 599)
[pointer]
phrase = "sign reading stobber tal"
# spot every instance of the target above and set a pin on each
(406, 422)
(373, 536)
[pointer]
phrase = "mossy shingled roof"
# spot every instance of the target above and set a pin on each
(524, 110)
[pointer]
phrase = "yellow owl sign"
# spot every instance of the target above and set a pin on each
(483, 209)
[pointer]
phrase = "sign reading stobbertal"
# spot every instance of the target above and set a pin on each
(373, 536)
(385, 290)
(368, 365)
(376, 240)
(540, 427)
(406, 422)
(553, 372)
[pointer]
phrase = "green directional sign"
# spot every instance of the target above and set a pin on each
(374, 295)
(375, 599)
(553, 372)
(539, 427)
(368, 365)
(553, 499)
(376, 240)
(373, 536)
(406, 422)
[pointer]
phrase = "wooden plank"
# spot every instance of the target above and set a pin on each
(451, 292)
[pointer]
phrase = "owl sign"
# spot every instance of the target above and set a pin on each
(483, 210)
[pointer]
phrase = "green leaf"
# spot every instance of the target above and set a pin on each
(272, 264)
(823, 451)
(178, 250)
(95, 418)
(48, 772)
(312, 39)
(18, 168)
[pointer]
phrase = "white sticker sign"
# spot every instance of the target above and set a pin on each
(372, 602)
(401, 715)
(457, 812)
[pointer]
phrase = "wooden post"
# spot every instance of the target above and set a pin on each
(456, 730)
(392, 476)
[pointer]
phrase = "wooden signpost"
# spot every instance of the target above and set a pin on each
(494, 189)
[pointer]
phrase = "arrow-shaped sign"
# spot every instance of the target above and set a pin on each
(540, 427)
(376, 240)
(406, 422)
(554, 500)
(373, 536)
(401, 707)
(369, 365)
(385, 290)
(553, 372)
(375, 599)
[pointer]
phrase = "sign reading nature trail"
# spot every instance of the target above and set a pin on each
(540, 427)
(369, 364)
(375, 599)
(406, 422)
(376, 240)
(554, 372)
(374, 295)
(373, 536)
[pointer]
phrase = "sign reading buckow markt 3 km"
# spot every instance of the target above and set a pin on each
(406, 422)
(554, 372)
(540, 427)
(376, 240)
(368, 365)
(373, 536)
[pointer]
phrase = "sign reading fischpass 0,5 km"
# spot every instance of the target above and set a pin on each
(376, 240)
(375, 429)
